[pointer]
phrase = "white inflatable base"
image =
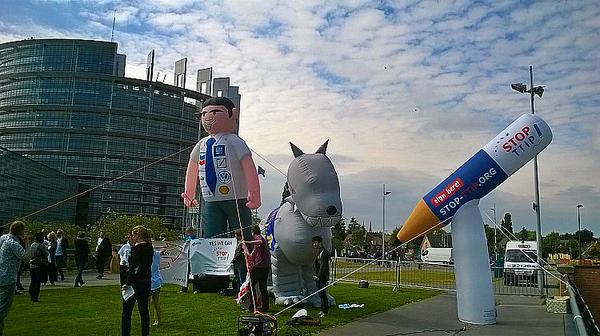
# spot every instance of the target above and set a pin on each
(473, 276)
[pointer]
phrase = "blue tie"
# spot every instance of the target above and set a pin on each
(209, 170)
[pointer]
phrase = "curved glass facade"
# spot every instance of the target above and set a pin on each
(62, 105)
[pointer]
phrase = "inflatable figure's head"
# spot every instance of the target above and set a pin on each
(314, 187)
(219, 115)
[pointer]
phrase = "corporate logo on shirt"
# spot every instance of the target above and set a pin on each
(202, 159)
(224, 190)
(219, 150)
(224, 176)
(222, 163)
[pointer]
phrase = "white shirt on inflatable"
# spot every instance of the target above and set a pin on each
(228, 150)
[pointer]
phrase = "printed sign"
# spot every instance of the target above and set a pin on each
(212, 255)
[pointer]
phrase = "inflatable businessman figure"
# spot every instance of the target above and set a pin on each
(223, 163)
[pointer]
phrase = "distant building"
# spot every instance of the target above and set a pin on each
(65, 103)
(437, 239)
(27, 186)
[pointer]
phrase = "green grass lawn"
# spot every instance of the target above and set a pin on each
(436, 277)
(97, 311)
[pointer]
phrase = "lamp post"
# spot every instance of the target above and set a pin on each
(385, 193)
(495, 226)
(538, 90)
(579, 206)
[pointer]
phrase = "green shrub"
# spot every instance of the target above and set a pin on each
(117, 227)
(70, 230)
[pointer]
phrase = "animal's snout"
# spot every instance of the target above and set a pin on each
(331, 210)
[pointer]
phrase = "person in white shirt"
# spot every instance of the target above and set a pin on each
(156, 284)
(124, 253)
(62, 244)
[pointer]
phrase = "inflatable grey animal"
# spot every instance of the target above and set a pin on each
(313, 207)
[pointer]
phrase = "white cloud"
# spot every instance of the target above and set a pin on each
(409, 97)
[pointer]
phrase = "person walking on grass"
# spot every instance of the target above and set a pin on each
(104, 253)
(51, 269)
(62, 244)
(124, 253)
(38, 266)
(82, 251)
(139, 278)
(11, 256)
(321, 267)
(156, 284)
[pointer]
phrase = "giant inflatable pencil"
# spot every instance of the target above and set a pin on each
(510, 150)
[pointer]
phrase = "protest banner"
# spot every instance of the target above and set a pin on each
(173, 261)
(212, 256)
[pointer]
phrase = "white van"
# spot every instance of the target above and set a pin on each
(441, 255)
(520, 263)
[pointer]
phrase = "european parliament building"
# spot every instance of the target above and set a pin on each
(65, 103)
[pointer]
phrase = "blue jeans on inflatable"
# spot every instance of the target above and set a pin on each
(216, 215)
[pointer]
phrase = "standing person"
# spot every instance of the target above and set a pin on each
(62, 244)
(38, 265)
(11, 256)
(156, 284)
(104, 249)
(124, 253)
(21, 268)
(321, 267)
(52, 269)
(261, 259)
(189, 235)
(138, 277)
(239, 262)
(82, 251)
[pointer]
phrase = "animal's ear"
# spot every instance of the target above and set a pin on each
(323, 148)
(297, 151)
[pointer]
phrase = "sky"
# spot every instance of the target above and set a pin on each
(405, 91)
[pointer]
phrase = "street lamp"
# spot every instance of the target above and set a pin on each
(538, 90)
(385, 193)
(579, 206)
(495, 226)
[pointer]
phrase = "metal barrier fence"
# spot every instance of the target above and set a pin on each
(435, 276)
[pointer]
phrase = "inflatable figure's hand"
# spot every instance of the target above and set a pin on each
(188, 201)
(253, 201)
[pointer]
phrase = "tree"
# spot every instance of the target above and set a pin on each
(357, 232)
(338, 233)
(593, 251)
(116, 227)
(587, 236)
(506, 223)
(525, 234)
(551, 244)
(489, 235)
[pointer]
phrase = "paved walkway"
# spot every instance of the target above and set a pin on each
(517, 315)
(89, 277)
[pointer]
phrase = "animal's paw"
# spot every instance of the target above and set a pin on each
(288, 300)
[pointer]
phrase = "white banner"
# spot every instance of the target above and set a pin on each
(173, 261)
(212, 256)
